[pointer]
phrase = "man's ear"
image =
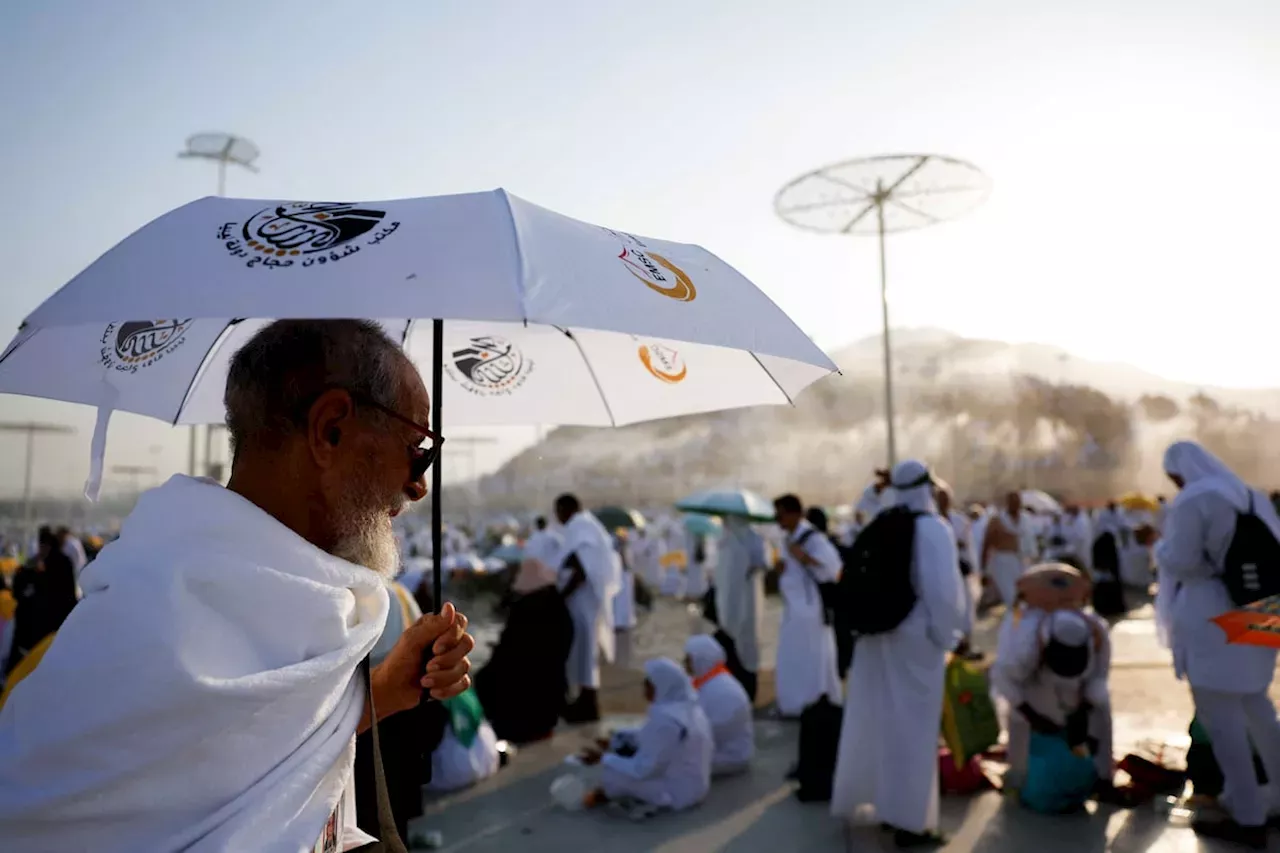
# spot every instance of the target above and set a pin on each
(328, 421)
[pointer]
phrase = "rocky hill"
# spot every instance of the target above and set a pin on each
(987, 415)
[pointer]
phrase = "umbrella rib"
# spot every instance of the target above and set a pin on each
(204, 363)
(603, 399)
(773, 380)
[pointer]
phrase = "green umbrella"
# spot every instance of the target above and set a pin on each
(613, 517)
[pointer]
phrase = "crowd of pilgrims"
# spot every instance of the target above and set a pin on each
(875, 673)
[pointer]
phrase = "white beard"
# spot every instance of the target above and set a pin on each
(373, 546)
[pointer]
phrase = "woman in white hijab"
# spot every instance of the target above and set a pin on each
(1228, 682)
(667, 762)
(725, 703)
(889, 740)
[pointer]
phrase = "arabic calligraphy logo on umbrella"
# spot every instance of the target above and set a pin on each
(306, 233)
(489, 366)
(131, 346)
(664, 363)
(657, 273)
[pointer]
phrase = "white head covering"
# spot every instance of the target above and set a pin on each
(1201, 471)
(913, 486)
(705, 654)
(671, 686)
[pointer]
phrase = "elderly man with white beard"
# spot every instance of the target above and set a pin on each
(206, 693)
(889, 740)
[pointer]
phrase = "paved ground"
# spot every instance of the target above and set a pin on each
(757, 812)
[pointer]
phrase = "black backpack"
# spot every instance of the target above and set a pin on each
(1251, 569)
(828, 591)
(876, 593)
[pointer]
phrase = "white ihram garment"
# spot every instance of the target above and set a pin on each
(806, 669)
(591, 604)
(671, 766)
(1005, 567)
(644, 556)
(889, 739)
(204, 694)
(1228, 681)
(740, 567)
(726, 704)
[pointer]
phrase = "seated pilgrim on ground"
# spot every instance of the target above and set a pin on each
(666, 763)
(725, 702)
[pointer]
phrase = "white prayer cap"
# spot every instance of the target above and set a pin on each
(1069, 628)
(705, 653)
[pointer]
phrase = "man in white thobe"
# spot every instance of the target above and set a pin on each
(740, 568)
(590, 576)
(971, 579)
(889, 740)
(1005, 548)
(1229, 682)
(806, 669)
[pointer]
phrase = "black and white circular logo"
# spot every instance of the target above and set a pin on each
(305, 233)
(489, 366)
(131, 346)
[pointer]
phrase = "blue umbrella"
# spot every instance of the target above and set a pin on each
(702, 525)
(738, 503)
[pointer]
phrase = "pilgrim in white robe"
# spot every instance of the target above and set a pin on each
(1022, 677)
(725, 702)
(203, 696)
(972, 582)
(806, 668)
(889, 739)
(702, 560)
(1229, 682)
(645, 559)
(468, 750)
(671, 765)
(591, 604)
(740, 568)
(624, 607)
(1002, 564)
(546, 546)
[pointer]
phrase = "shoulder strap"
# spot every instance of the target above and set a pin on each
(389, 840)
(804, 537)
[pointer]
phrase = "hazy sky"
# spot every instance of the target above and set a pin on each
(1133, 148)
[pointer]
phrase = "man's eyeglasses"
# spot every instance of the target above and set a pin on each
(420, 458)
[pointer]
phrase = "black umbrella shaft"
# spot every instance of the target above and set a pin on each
(437, 523)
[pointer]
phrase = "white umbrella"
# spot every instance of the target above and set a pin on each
(558, 321)
(1041, 502)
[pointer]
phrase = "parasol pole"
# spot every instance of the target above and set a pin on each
(437, 487)
(884, 312)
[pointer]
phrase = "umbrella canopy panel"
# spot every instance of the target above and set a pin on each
(615, 517)
(494, 373)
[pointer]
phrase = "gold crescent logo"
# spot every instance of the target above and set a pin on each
(642, 266)
(664, 363)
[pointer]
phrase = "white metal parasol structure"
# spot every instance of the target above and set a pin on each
(880, 195)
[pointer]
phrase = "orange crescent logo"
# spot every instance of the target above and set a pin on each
(646, 357)
(683, 289)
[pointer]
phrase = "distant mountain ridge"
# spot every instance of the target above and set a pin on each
(989, 415)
